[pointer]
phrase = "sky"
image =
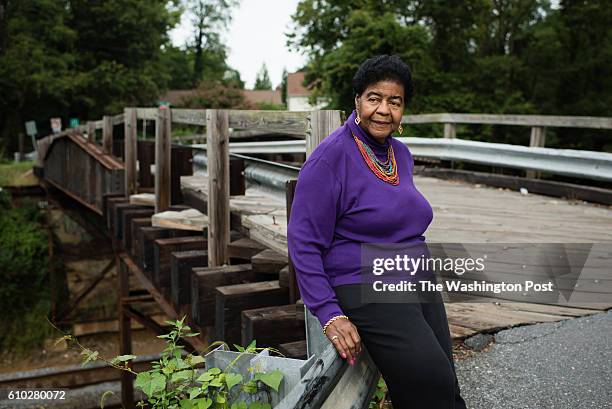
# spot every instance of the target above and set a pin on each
(255, 36)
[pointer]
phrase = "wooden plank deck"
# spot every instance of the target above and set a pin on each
(464, 213)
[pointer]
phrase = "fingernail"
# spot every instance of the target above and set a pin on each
(344, 356)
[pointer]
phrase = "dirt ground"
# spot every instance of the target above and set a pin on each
(144, 342)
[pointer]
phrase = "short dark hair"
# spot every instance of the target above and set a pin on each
(380, 68)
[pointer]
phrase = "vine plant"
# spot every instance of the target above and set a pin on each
(179, 381)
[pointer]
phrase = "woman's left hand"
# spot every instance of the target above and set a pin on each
(345, 337)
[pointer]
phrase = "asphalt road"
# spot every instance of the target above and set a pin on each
(553, 365)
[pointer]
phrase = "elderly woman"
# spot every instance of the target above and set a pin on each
(356, 187)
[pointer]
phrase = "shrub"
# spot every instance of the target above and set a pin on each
(24, 265)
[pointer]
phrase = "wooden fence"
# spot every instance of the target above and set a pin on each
(86, 169)
(537, 123)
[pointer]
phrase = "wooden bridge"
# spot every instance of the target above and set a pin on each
(209, 246)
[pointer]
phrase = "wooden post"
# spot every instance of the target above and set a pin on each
(91, 132)
(21, 157)
(130, 152)
(125, 333)
(450, 131)
(537, 139)
(217, 152)
(163, 130)
(294, 290)
(237, 184)
(322, 123)
(538, 136)
(107, 134)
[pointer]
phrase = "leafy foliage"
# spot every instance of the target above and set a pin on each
(217, 94)
(208, 18)
(177, 380)
(481, 56)
(36, 61)
(263, 79)
(284, 86)
(24, 295)
(380, 395)
(84, 59)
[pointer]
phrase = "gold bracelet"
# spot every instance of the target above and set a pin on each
(332, 320)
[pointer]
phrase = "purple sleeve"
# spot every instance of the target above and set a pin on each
(309, 234)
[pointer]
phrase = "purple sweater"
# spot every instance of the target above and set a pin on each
(339, 204)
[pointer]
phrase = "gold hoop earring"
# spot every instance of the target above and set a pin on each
(357, 119)
(400, 129)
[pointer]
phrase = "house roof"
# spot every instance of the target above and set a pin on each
(295, 87)
(176, 96)
(264, 95)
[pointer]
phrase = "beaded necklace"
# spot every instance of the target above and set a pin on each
(385, 171)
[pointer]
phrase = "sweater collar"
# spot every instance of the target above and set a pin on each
(365, 136)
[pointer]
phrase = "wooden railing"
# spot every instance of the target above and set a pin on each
(537, 123)
(77, 149)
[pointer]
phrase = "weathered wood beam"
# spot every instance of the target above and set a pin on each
(322, 123)
(118, 212)
(181, 266)
(125, 333)
(128, 215)
(107, 135)
(520, 120)
(286, 122)
(130, 152)
(163, 154)
(217, 131)
(269, 262)
(137, 224)
(283, 277)
(231, 300)
(294, 290)
(110, 211)
(244, 248)
(91, 132)
(162, 255)
(273, 326)
(450, 131)
(204, 281)
(295, 349)
(146, 237)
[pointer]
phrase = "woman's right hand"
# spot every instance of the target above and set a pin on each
(344, 336)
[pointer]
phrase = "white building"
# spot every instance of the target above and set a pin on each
(298, 94)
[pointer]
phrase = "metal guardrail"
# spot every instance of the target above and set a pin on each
(266, 176)
(288, 146)
(552, 121)
(568, 162)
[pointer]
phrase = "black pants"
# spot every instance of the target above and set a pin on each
(410, 344)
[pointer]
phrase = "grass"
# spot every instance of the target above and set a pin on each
(16, 174)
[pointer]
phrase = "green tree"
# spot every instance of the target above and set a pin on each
(216, 94)
(208, 18)
(465, 57)
(25, 298)
(284, 86)
(123, 64)
(179, 64)
(586, 69)
(263, 78)
(231, 77)
(585, 72)
(36, 63)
